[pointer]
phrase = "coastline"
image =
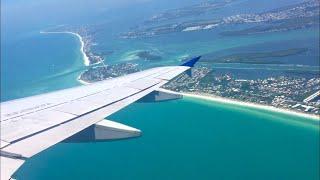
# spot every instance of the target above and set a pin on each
(223, 100)
(82, 81)
(86, 60)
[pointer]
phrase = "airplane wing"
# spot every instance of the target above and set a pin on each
(33, 124)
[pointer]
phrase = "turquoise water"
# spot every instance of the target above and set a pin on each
(173, 47)
(185, 139)
(190, 139)
(39, 63)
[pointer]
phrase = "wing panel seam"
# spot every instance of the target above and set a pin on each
(78, 116)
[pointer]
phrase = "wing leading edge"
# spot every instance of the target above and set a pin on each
(33, 124)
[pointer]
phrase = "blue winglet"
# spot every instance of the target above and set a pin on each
(191, 62)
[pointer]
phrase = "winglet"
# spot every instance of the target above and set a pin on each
(191, 62)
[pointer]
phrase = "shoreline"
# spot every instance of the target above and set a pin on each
(82, 81)
(86, 60)
(223, 100)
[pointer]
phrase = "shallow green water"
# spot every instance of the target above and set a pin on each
(190, 139)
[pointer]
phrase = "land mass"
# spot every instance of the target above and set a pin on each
(98, 73)
(256, 58)
(283, 25)
(298, 16)
(197, 9)
(278, 91)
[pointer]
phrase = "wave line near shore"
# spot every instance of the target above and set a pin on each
(246, 104)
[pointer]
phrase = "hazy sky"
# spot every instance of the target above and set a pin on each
(28, 11)
(19, 14)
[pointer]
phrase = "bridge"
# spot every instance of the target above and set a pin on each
(312, 97)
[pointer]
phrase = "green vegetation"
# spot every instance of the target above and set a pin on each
(256, 58)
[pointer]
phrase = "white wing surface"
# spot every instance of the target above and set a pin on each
(33, 124)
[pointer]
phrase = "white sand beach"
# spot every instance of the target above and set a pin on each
(82, 81)
(246, 104)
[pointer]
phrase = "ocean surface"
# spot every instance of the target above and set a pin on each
(40, 63)
(183, 139)
(190, 139)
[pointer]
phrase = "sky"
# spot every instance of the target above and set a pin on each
(18, 12)
(21, 15)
